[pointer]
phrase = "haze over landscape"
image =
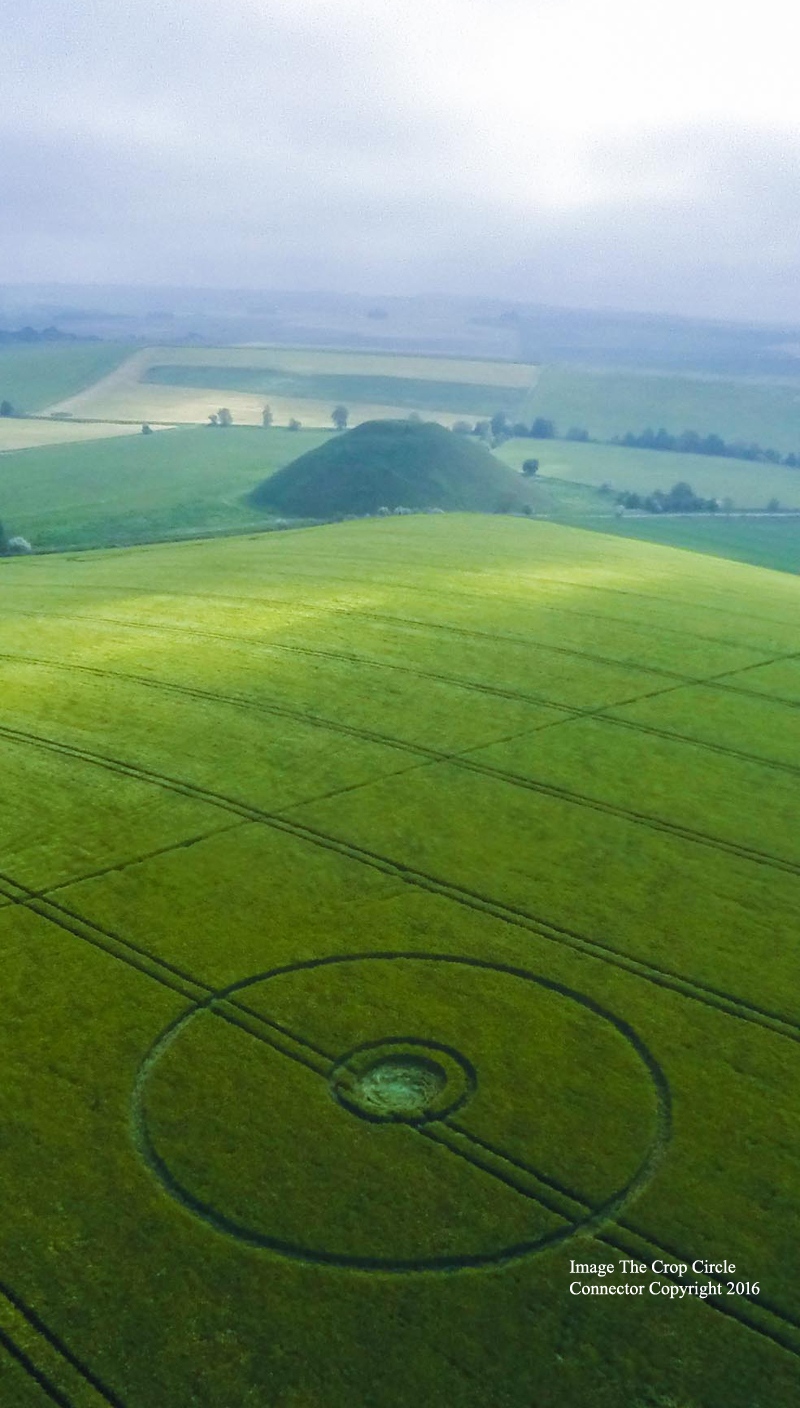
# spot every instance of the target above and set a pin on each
(635, 156)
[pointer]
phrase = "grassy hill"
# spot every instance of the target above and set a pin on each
(492, 815)
(391, 464)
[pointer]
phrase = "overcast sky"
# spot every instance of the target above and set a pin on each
(636, 154)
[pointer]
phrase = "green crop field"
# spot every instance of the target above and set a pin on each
(31, 377)
(393, 914)
(749, 485)
(768, 541)
(407, 393)
(180, 482)
(142, 487)
(185, 384)
(609, 403)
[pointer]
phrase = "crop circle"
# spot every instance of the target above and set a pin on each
(438, 1171)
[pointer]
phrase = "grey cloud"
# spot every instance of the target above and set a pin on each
(189, 143)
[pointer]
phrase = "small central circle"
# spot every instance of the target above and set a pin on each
(404, 1079)
(404, 1086)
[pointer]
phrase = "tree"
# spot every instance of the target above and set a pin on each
(340, 416)
(6, 408)
(499, 425)
(415, 418)
(3, 539)
(266, 417)
(773, 506)
(146, 429)
(530, 467)
(294, 424)
(224, 416)
(577, 432)
(543, 429)
(681, 498)
(462, 427)
(213, 420)
(482, 430)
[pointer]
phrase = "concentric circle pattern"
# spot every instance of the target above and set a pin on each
(475, 1140)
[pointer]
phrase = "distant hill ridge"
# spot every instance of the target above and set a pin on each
(28, 335)
(393, 464)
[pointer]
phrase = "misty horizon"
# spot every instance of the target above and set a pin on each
(631, 160)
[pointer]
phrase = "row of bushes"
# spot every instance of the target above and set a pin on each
(681, 498)
(689, 442)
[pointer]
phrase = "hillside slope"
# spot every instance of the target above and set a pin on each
(496, 805)
(392, 463)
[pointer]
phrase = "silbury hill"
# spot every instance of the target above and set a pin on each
(392, 464)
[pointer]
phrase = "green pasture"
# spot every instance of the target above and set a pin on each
(142, 487)
(612, 402)
(769, 541)
(172, 484)
(642, 471)
(506, 802)
(33, 377)
(412, 393)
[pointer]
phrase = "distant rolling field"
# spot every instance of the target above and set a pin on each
(407, 393)
(181, 482)
(31, 377)
(30, 433)
(609, 403)
(394, 913)
(748, 485)
(187, 383)
(769, 541)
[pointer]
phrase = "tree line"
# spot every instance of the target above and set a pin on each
(688, 442)
(340, 416)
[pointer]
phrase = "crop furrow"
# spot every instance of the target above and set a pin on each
(541, 788)
(571, 711)
(582, 1206)
(38, 1325)
(734, 1006)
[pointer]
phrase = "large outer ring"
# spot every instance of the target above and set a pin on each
(595, 1218)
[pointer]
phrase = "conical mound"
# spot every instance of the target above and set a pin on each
(392, 464)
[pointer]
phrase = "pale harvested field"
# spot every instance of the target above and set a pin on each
(28, 434)
(122, 395)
